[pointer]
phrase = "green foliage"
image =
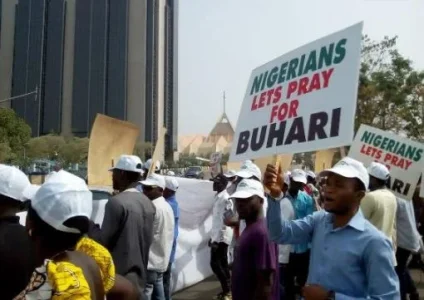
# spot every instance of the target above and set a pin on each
(67, 150)
(14, 134)
(388, 93)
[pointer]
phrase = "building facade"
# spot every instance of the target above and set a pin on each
(115, 57)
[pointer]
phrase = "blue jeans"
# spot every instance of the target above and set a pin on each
(167, 282)
(283, 282)
(154, 286)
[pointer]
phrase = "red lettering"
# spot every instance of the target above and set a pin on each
(326, 76)
(294, 105)
(274, 112)
(408, 163)
(254, 104)
(303, 82)
(284, 111)
(277, 94)
(315, 83)
(291, 89)
(269, 94)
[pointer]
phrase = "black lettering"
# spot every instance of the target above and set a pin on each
(397, 186)
(256, 144)
(316, 126)
(243, 142)
(406, 190)
(297, 132)
(335, 122)
(275, 133)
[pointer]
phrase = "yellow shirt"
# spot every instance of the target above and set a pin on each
(379, 207)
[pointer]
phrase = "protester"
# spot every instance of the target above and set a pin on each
(16, 253)
(350, 258)
(287, 213)
(127, 228)
(232, 181)
(146, 168)
(379, 205)
(171, 187)
(303, 205)
(221, 237)
(310, 187)
(255, 273)
(70, 265)
(163, 237)
(408, 243)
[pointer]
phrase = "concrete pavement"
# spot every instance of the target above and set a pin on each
(208, 288)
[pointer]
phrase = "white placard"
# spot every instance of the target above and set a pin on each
(403, 157)
(302, 101)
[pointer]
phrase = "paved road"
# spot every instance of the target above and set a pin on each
(208, 288)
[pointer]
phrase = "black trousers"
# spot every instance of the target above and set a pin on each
(219, 265)
(296, 274)
(407, 285)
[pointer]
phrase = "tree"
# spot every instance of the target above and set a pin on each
(14, 134)
(387, 82)
(74, 151)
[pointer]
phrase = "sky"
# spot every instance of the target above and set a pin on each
(222, 41)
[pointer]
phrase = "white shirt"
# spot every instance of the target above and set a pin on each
(408, 237)
(287, 214)
(163, 236)
(243, 222)
(221, 233)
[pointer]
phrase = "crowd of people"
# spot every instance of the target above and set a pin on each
(340, 234)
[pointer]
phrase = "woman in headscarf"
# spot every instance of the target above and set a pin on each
(71, 266)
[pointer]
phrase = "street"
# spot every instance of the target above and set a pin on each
(208, 288)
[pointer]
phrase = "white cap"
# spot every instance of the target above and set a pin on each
(249, 169)
(129, 163)
(155, 180)
(350, 168)
(13, 182)
(248, 188)
(378, 171)
(148, 163)
(230, 174)
(62, 197)
(30, 191)
(171, 184)
(171, 173)
(299, 175)
(309, 173)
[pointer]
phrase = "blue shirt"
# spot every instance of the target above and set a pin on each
(355, 261)
(174, 204)
(303, 206)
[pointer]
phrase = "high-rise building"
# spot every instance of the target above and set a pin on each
(115, 57)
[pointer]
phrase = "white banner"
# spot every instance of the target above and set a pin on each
(302, 101)
(403, 157)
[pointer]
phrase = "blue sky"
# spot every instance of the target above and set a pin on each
(222, 41)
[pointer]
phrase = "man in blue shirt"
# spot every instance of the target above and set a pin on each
(350, 258)
(171, 187)
(303, 205)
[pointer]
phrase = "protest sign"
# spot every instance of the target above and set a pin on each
(302, 101)
(403, 157)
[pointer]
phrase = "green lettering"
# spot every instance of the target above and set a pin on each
(325, 56)
(418, 155)
(401, 150)
(340, 51)
(366, 137)
(264, 81)
(292, 68)
(302, 63)
(272, 77)
(377, 140)
(384, 144)
(256, 86)
(283, 71)
(390, 146)
(311, 64)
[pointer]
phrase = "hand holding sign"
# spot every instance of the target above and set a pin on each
(273, 180)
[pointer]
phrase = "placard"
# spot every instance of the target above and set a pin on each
(302, 101)
(403, 157)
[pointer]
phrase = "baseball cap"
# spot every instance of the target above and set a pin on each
(309, 173)
(378, 171)
(154, 180)
(350, 168)
(61, 198)
(148, 163)
(298, 175)
(129, 163)
(248, 188)
(13, 182)
(249, 169)
(30, 191)
(230, 174)
(171, 183)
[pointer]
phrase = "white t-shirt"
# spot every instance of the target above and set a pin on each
(163, 236)
(287, 214)
(221, 233)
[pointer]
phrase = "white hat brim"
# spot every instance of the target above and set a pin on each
(300, 179)
(244, 195)
(343, 171)
(244, 174)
